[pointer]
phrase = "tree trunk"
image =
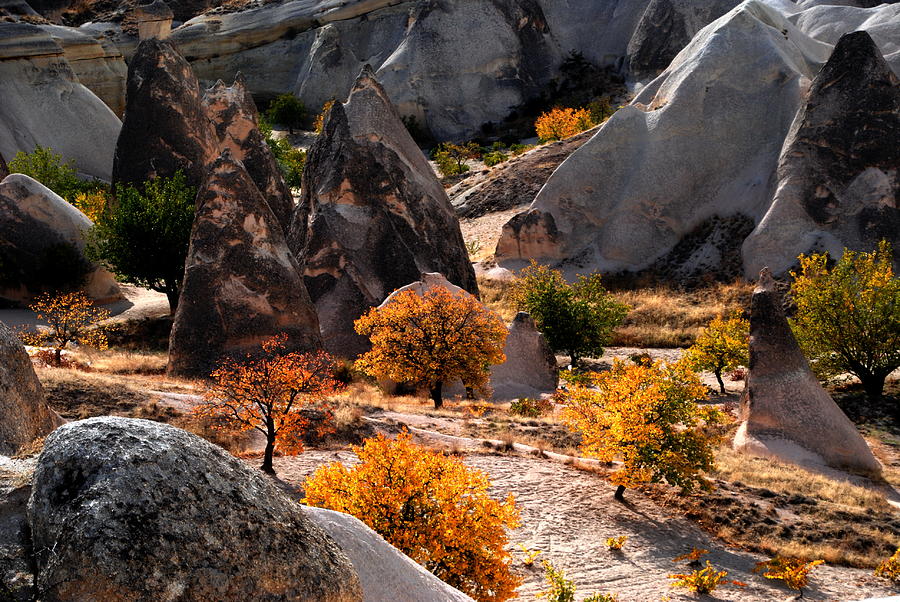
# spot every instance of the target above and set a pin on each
(620, 493)
(437, 396)
(873, 384)
(57, 357)
(172, 295)
(270, 448)
(721, 383)
(573, 359)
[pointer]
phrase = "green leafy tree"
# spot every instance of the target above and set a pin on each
(722, 345)
(451, 158)
(287, 110)
(848, 315)
(291, 161)
(144, 235)
(49, 169)
(578, 318)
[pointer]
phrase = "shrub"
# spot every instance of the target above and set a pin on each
(890, 568)
(560, 123)
(48, 168)
(601, 109)
(72, 317)
(518, 149)
(530, 408)
(494, 158)
(616, 543)
(432, 339)
(577, 319)
(646, 416)
(530, 555)
(703, 581)
(143, 237)
(563, 590)
(269, 393)
(693, 557)
(794, 572)
(291, 161)
(91, 203)
(722, 345)
(431, 506)
(319, 123)
(451, 158)
(848, 316)
(287, 110)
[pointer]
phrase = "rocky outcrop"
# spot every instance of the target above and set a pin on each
(530, 366)
(165, 128)
(839, 172)
(154, 20)
(4, 169)
(16, 565)
(372, 216)
(785, 412)
(43, 103)
(126, 509)
(385, 573)
(24, 415)
(233, 114)
(241, 283)
(42, 244)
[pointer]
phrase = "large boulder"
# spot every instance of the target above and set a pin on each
(233, 114)
(126, 509)
(839, 172)
(43, 103)
(372, 216)
(165, 128)
(241, 283)
(530, 366)
(385, 573)
(42, 244)
(785, 413)
(24, 415)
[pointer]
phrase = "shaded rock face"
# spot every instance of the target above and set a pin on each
(43, 103)
(38, 229)
(154, 20)
(126, 509)
(165, 128)
(785, 412)
(24, 415)
(372, 217)
(530, 366)
(16, 562)
(385, 573)
(4, 169)
(241, 283)
(839, 173)
(233, 114)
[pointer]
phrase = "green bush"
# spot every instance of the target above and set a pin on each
(495, 158)
(518, 149)
(530, 408)
(290, 160)
(287, 110)
(451, 158)
(49, 169)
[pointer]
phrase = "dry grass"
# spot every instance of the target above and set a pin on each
(496, 294)
(128, 362)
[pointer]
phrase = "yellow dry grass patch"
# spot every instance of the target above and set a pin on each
(115, 361)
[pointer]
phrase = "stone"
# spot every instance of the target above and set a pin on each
(37, 228)
(372, 216)
(43, 103)
(839, 172)
(154, 20)
(127, 509)
(241, 283)
(233, 114)
(4, 168)
(16, 559)
(24, 414)
(530, 366)
(165, 128)
(385, 573)
(785, 413)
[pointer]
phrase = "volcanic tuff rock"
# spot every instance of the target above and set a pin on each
(785, 412)
(165, 128)
(4, 169)
(530, 366)
(126, 509)
(154, 20)
(233, 114)
(43, 103)
(241, 283)
(839, 173)
(372, 217)
(35, 226)
(24, 415)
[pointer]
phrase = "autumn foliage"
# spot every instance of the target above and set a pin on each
(890, 568)
(560, 123)
(723, 345)
(703, 581)
(269, 393)
(432, 339)
(72, 318)
(429, 505)
(793, 572)
(647, 417)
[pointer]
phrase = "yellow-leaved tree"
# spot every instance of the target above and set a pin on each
(560, 122)
(723, 345)
(429, 505)
(72, 318)
(432, 339)
(647, 417)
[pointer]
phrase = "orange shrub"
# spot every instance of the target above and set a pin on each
(560, 123)
(72, 317)
(793, 572)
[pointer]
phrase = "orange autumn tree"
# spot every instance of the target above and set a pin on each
(429, 505)
(432, 339)
(72, 317)
(647, 417)
(560, 123)
(269, 393)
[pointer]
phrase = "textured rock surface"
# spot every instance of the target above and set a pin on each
(4, 169)
(16, 563)
(34, 223)
(530, 366)
(24, 415)
(385, 573)
(126, 509)
(154, 20)
(372, 217)
(839, 173)
(241, 283)
(43, 103)
(785, 412)
(165, 128)
(233, 114)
